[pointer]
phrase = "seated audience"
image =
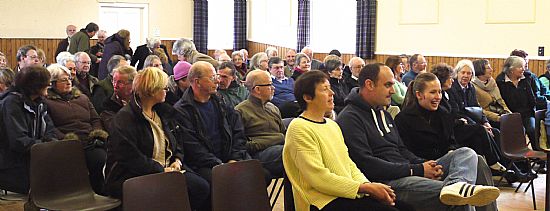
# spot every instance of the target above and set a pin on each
(24, 122)
(476, 132)
(143, 51)
(315, 64)
(376, 147)
(240, 65)
(544, 78)
(355, 66)
(541, 92)
(3, 61)
(487, 93)
(290, 62)
(230, 90)
(116, 44)
(262, 123)
(73, 115)
(84, 81)
(186, 51)
(245, 57)
(259, 61)
(317, 162)
(104, 89)
(514, 84)
(405, 60)
(178, 83)
(224, 58)
(166, 63)
(41, 57)
(418, 64)
(218, 53)
(303, 65)
(141, 142)
(6, 79)
(271, 52)
(394, 63)
(26, 56)
(122, 90)
(284, 87)
(334, 69)
(213, 132)
(153, 61)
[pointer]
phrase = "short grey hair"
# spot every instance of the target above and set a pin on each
(114, 61)
(271, 49)
(64, 57)
(255, 60)
(300, 56)
(464, 63)
(56, 70)
(353, 60)
(183, 47)
(512, 62)
(239, 53)
(129, 70)
(151, 41)
(78, 54)
(149, 60)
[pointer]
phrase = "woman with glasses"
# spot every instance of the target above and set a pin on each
(23, 123)
(142, 140)
(74, 116)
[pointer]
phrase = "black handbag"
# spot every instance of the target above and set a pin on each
(475, 113)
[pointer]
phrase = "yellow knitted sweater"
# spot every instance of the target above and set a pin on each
(318, 165)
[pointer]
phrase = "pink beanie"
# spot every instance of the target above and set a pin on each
(181, 70)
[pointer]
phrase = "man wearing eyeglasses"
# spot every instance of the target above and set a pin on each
(231, 91)
(284, 86)
(418, 64)
(26, 56)
(85, 82)
(262, 122)
(355, 65)
(212, 132)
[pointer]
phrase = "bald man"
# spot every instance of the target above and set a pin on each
(262, 122)
(212, 133)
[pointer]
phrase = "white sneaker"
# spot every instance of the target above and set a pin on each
(462, 193)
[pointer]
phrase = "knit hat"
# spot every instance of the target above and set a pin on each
(181, 70)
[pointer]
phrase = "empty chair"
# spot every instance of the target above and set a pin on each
(239, 186)
(161, 191)
(514, 145)
(59, 179)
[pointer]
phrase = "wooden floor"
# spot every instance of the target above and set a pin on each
(508, 200)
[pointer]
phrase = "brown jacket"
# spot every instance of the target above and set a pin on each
(74, 113)
(488, 95)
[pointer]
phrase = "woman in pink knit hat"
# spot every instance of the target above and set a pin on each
(178, 82)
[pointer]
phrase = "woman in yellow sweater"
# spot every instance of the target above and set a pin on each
(317, 162)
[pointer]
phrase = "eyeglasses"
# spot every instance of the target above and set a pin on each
(277, 67)
(71, 68)
(268, 85)
(32, 57)
(213, 78)
(64, 80)
(87, 62)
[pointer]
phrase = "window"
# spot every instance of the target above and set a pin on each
(220, 24)
(333, 25)
(116, 16)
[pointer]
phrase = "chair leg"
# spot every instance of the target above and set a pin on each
(504, 174)
(533, 192)
(521, 183)
(528, 185)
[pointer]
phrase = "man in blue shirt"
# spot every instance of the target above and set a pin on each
(418, 64)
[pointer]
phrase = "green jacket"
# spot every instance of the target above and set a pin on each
(262, 123)
(233, 95)
(80, 41)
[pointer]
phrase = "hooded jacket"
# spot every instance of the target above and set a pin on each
(194, 138)
(114, 45)
(374, 143)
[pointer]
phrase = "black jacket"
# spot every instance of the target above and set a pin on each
(519, 99)
(23, 123)
(141, 54)
(375, 146)
(340, 93)
(197, 147)
(114, 45)
(428, 134)
(462, 99)
(130, 145)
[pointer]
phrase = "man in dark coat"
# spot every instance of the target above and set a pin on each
(64, 44)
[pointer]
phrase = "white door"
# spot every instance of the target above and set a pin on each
(132, 17)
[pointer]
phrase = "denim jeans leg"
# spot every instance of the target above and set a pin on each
(459, 165)
(272, 160)
(484, 177)
(422, 193)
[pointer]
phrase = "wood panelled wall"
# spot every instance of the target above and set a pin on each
(9, 47)
(537, 66)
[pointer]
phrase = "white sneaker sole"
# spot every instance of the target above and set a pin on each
(480, 197)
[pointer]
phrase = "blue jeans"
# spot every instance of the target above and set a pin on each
(272, 160)
(458, 166)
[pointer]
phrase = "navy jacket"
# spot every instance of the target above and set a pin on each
(375, 145)
(462, 99)
(193, 137)
(519, 99)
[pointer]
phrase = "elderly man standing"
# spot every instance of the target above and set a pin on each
(418, 64)
(84, 81)
(212, 133)
(262, 122)
(186, 51)
(97, 50)
(290, 62)
(64, 44)
(231, 91)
